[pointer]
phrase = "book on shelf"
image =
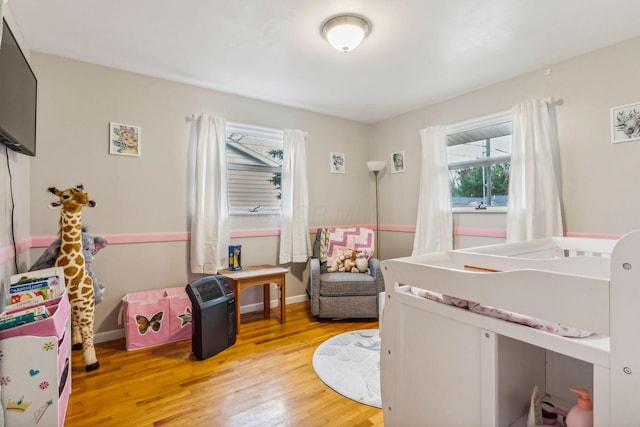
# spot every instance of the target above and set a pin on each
(19, 318)
(34, 284)
(34, 287)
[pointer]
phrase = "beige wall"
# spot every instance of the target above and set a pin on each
(149, 194)
(599, 179)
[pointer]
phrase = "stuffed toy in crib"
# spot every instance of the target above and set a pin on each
(90, 246)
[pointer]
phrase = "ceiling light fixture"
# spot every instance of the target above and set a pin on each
(345, 32)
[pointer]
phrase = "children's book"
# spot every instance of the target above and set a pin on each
(34, 287)
(23, 317)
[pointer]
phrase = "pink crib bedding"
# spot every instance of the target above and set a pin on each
(543, 325)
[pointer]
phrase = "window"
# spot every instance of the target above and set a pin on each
(479, 156)
(254, 169)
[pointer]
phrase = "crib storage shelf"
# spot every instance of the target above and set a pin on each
(35, 369)
(444, 365)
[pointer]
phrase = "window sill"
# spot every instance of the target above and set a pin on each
(259, 213)
(501, 209)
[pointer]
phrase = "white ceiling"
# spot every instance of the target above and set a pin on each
(419, 51)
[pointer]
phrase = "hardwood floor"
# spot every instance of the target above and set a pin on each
(264, 379)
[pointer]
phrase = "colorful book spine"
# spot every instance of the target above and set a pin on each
(32, 297)
(23, 317)
(33, 289)
(25, 303)
(31, 284)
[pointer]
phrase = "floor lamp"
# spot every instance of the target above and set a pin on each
(376, 166)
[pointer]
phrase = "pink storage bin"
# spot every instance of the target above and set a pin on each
(54, 325)
(179, 314)
(155, 317)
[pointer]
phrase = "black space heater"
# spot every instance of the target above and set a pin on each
(214, 315)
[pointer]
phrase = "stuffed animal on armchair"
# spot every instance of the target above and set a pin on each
(348, 261)
(90, 246)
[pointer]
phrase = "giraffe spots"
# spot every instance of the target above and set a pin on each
(62, 261)
(70, 271)
(87, 291)
(79, 259)
(73, 237)
(68, 248)
(72, 223)
(87, 288)
(69, 228)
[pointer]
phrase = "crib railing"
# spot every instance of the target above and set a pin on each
(574, 246)
(556, 247)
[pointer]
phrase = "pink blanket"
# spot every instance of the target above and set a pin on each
(360, 239)
(543, 325)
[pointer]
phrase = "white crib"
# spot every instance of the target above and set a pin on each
(446, 366)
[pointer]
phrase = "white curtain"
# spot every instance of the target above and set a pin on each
(533, 210)
(210, 217)
(295, 245)
(434, 229)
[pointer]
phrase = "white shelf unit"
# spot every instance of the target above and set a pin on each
(35, 369)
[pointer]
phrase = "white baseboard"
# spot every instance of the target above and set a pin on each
(274, 303)
(108, 336)
(119, 333)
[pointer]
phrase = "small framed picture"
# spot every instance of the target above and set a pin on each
(397, 162)
(625, 123)
(124, 140)
(336, 162)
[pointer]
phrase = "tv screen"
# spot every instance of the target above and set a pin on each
(18, 87)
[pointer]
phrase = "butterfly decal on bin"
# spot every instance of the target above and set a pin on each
(156, 316)
(153, 323)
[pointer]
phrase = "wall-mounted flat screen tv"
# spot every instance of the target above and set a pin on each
(18, 88)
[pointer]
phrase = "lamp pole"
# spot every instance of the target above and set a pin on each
(376, 166)
(377, 218)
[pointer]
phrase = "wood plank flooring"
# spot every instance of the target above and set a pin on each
(264, 379)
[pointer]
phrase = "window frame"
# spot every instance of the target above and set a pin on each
(259, 132)
(469, 125)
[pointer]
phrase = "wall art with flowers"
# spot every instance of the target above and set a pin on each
(336, 162)
(625, 123)
(124, 140)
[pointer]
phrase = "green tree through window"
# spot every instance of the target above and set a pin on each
(479, 156)
(276, 178)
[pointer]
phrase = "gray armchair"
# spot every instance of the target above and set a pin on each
(343, 295)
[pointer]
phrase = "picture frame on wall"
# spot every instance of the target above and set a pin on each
(124, 140)
(397, 162)
(337, 162)
(625, 123)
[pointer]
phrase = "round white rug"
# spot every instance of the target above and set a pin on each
(349, 363)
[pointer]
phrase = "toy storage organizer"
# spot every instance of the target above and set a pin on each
(156, 317)
(35, 371)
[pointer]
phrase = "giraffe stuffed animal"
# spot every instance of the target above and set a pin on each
(77, 280)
